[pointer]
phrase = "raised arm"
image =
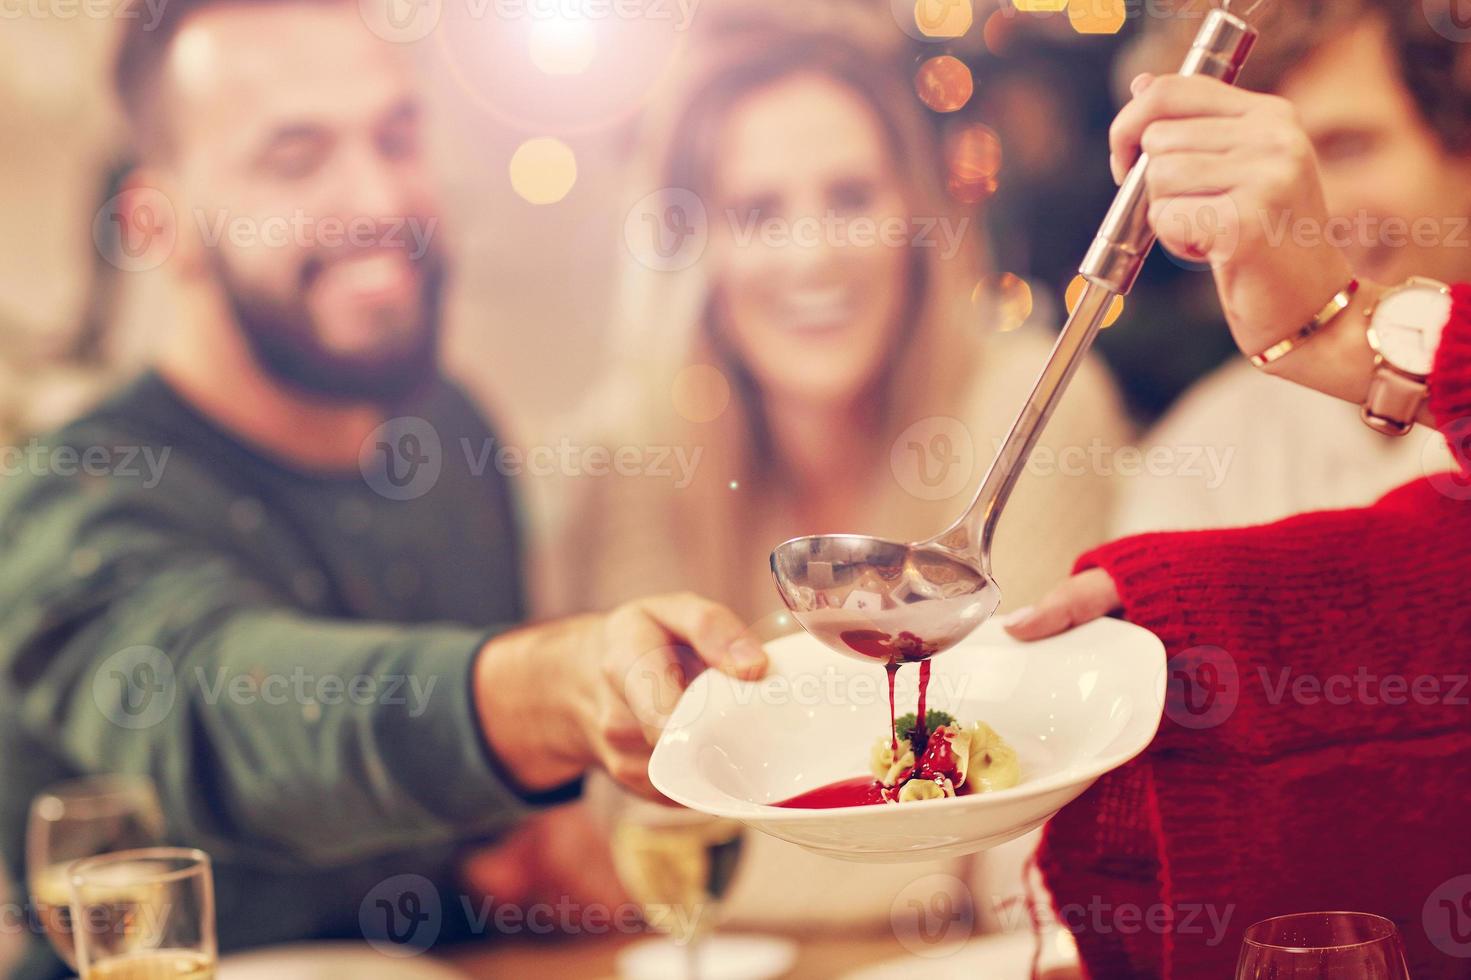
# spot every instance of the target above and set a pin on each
(133, 642)
(1233, 180)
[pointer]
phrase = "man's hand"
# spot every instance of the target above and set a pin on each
(557, 698)
(1233, 181)
(1081, 599)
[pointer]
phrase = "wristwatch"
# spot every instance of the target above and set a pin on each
(1404, 330)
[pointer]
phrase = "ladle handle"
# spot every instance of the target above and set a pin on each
(1123, 242)
(1111, 268)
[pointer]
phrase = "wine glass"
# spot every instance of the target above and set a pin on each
(1322, 946)
(677, 864)
(147, 914)
(78, 819)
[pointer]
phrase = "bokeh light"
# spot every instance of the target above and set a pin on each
(562, 45)
(573, 70)
(1004, 303)
(1097, 16)
(943, 18)
(701, 393)
(998, 31)
(1040, 6)
(1075, 293)
(543, 170)
(972, 163)
(944, 83)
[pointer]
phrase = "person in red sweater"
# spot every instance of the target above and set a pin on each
(1316, 748)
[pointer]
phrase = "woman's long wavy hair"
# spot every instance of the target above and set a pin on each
(666, 320)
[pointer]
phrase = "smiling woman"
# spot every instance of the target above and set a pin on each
(800, 263)
(799, 310)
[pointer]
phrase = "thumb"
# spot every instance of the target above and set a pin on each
(1081, 599)
(718, 636)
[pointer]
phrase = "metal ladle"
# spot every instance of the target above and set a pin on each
(891, 602)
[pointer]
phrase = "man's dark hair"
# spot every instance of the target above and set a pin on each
(143, 51)
(1435, 67)
(1429, 47)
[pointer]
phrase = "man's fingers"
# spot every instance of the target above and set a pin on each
(654, 647)
(1081, 599)
(1191, 174)
(1171, 97)
(624, 751)
(1214, 134)
(648, 689)
(715, 633)
(1197, 229)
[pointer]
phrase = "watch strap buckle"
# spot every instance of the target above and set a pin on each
(1393, 402)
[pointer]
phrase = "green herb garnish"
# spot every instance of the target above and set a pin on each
(934, 718)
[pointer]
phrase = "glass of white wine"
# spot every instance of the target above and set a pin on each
(78, 819)
(145, 915)
(677, 865)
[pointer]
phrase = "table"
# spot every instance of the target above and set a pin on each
(819, 958)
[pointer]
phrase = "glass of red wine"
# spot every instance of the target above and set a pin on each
(1322, 946)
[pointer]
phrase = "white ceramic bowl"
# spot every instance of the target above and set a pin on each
(1074, 707)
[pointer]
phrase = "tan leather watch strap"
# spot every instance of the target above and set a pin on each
(1394, 401)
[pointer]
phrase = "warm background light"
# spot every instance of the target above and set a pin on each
(972, 163)
(943, 18)
(543, 170)
(1075, 293)
(944, 83)
(562, 45)
(1004, 303)
(1097, 16)
(701, 393)
(998, 31)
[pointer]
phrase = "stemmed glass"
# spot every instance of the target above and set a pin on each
(78, 819)
(1322, 946)
(677, 865)
(147, 914)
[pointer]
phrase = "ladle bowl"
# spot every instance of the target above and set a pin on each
(882, 601)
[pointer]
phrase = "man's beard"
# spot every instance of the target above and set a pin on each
(283, 338)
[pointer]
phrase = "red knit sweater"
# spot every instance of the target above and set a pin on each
(1316, 747)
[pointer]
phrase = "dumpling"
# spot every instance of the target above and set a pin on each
(885, 767)
(992, 763)
(925, 789)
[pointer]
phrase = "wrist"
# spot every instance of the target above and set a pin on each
(1338, 360)
(530, 697)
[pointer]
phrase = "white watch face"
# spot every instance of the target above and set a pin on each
(1407, 326)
